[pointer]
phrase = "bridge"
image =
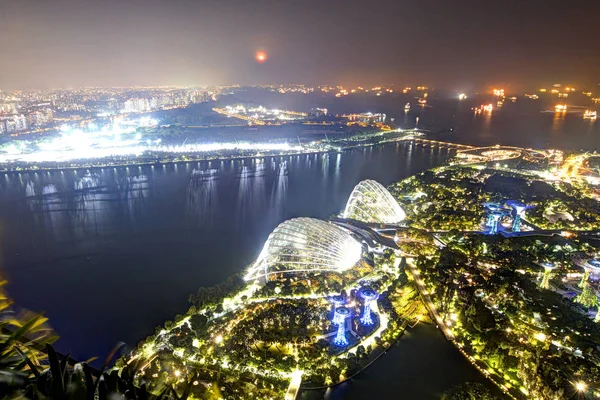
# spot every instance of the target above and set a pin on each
(441, 144)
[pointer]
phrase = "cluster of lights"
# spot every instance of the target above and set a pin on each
(116, 141)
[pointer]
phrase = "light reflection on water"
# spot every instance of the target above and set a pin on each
(134, 242)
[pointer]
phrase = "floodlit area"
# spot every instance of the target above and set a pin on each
(118, 139)
(306, 244)
(312, 301)
(371, 202)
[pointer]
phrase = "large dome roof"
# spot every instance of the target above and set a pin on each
(306, 244)
(371, 202)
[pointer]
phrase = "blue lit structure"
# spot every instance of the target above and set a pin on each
(496, 216)
(495, 213)
(339, 319)
(368, 296)
(337, 301)
(518, 210)
(592, 268)
(490, 221)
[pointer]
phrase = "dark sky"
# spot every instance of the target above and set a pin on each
(451, 43)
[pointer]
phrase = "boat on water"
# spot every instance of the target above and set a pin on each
(407, 107)
(560, 108)
(422, 102)
(589, 114)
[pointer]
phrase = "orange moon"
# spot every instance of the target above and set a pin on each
(261, 56)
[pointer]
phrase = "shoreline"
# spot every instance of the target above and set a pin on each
(231, 158)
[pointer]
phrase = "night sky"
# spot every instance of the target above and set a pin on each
(448, 43)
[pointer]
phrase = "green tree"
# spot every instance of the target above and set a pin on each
(468, 391)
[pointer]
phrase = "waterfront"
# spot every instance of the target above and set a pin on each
(421, 353)
(124, 247)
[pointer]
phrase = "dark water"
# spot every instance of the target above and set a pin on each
(420, 366)
(523, 123)
(111, 253)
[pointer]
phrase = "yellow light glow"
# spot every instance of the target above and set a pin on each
(581, 386)
(560, 108)
(540, 336)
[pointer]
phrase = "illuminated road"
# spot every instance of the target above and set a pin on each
(294, 387)
(428, 303)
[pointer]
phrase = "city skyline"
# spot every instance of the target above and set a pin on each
(63, 43)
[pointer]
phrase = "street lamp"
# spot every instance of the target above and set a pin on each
(581, 386)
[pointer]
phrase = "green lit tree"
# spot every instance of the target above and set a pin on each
(587, 297)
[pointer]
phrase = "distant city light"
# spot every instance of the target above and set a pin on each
(462, 96)
(117, 141)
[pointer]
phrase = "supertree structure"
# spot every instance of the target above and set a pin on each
(339, 319)
(519, 211)
(368, 295)
(548, 268)
(496, 217)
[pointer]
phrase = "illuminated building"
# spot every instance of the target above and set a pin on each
(371, 202)
(339, 319)
(306, 245)
(13, 123)
(368, 296)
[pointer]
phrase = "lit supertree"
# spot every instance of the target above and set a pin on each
(496, 217)
(368, 296)
(337, 301)
(591, 267)
(548, 268)
(519, 210)
(339, 319)
(588, 296)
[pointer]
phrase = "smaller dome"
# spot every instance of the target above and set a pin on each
(371, 202)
